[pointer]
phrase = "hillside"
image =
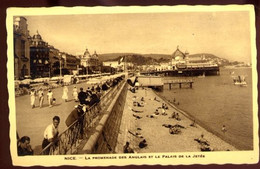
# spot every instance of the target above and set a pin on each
(140, 59)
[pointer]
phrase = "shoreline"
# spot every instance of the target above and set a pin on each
(200, 123)
(154, 131)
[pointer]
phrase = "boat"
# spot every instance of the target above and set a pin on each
(239, 81)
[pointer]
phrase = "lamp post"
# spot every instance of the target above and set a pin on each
(60, 65)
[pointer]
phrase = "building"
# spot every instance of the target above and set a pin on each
(71, 63)
(21, 48)
(178, 57)
(39, 57)
(56, 61)
(89, 63)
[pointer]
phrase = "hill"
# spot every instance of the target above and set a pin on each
(141, 59)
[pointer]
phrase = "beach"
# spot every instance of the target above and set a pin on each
(136, 127)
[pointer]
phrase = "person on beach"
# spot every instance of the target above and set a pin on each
(127, 148)
(33, 97)
(75, 93)
(163, 112)
(143, 144)
(224, 130)
(193, 124)
(50, 98)
(51, 135)
(24, 148)
(65, 93)
(177, 117)
(173, 115)
(156, 112)
(41, 97)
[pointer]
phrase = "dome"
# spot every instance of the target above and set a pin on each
(37, 36)
(177, 55)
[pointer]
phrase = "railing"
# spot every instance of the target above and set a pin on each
(70, 139)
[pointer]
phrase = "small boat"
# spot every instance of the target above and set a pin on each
(239, 81)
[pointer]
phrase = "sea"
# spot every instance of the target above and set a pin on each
(214, 101)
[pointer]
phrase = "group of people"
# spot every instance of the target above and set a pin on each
(40, 93)
(85, 98)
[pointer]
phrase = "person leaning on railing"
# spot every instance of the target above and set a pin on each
(51, 135)
(76, 114)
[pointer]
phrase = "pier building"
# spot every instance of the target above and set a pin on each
(184, 65)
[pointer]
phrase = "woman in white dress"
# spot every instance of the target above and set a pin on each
(65, 93)
(75, 93)
(33, 97)
(50, 98)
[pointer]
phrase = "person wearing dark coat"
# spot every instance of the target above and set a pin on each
(82, 96)
(24, 147)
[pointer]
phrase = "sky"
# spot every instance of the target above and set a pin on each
(224, 34)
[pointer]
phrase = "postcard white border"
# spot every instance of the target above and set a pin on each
(231, 157)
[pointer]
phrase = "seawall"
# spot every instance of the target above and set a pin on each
(104, 140)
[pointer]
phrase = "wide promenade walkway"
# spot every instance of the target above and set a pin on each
(32, 122)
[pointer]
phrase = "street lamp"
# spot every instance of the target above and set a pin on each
(60, 64)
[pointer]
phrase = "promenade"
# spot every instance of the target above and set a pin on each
(156, 135)
(32, 122)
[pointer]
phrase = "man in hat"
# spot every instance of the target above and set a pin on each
(76, 114)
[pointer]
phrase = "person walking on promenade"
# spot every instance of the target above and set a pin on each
(82, 96)
(50, 98)
(41, 97)
(65, 93)
(51, 135)
(33, 97)
(24, 148)
(75, 93)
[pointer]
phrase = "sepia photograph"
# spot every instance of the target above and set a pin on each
(101, 86)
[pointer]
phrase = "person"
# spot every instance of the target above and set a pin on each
(142, 144)
(88, 92)
(75, 93)
(127, 148)
(177, 117)
(173, 115)
(50, 98)
(224, 129)
(193, 124)
(76, 114)
(82, 96)
(98, 88)
(41, 97)
(33, 97)
(24, 148)
(51, 134)
(94, 99)
(65, 93)
(156, 112)
(163, 112)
